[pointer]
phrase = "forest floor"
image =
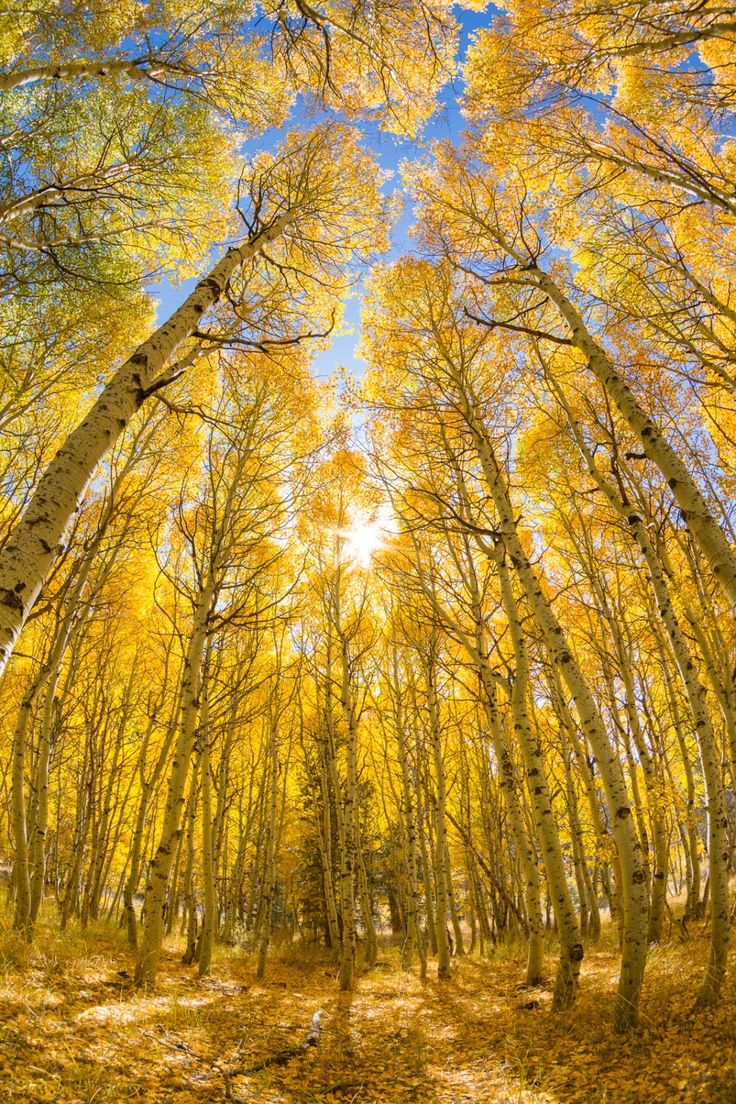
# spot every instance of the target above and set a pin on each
(73, 1029)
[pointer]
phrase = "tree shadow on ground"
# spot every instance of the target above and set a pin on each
(74, 1029)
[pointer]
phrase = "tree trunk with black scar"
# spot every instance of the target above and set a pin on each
(36, 540)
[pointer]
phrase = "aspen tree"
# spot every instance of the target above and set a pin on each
(279, 703)
(473, 638)
(29, 866)
(571, 947)
(289, 192)
(160, 867)
(414, 941)
(618, 499)
(483, 243)
(386, 58)
(111, 799)
(427, 655)
(94, 569)
(345, 636)
(325, 838)
(227, 527)
(474, 641)
(343, 798)
(350, 840)
(634, 889)
(452, 358)
(586, 775)
(426, 869)
(590, 920)
(695, 510)
(147, 784)
(207, 934)
(628, 728)
(190, 912)
(661, 122)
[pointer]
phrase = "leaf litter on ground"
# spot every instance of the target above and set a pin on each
(74, 1030)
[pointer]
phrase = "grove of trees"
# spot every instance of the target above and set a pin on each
(446, 648)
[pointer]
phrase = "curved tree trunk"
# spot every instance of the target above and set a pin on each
(36, 539)
(695, 510)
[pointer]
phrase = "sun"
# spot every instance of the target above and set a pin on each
(361, 542)
(366, 536)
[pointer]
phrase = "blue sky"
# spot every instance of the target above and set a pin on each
(447, 122)
(389, 151)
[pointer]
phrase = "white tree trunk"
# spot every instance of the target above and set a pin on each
(441, 871)
(696, 698)
(695, 510)
(153, 927)
(36, 540)
(207, 935)
(634, 889)
(86, 70)
(571, 947)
